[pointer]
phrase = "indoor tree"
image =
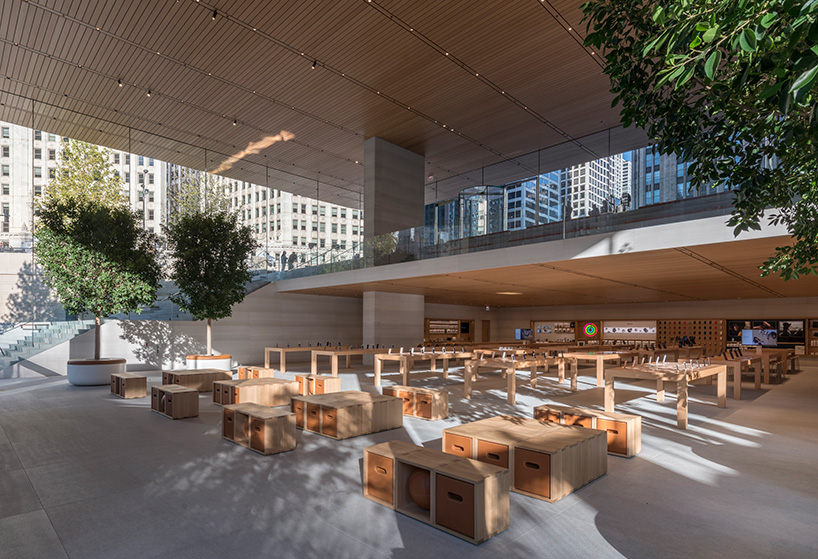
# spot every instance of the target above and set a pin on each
(89, 243)
(730, 86)
(210, 259)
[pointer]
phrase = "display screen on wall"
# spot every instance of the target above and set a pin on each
(523, 334)
(629, 329)
(759, 337)
(587, 329)
(791, 331)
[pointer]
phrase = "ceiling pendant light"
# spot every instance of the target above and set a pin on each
(215, 13)
(149, 93)
(314, 64)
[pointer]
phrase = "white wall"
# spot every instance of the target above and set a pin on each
(23, 295)
(265, 318)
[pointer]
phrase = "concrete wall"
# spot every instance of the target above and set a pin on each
(23, 295)
(392, 319)
(393, 188)
(265, 318)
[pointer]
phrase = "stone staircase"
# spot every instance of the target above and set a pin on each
(28, 339)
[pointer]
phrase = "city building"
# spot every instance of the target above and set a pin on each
(594, 187)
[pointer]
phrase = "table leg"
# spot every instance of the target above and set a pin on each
(266, 358)
(511, 384)
(681, 404)
(736, 370)
(433, 365)
(467, 371)
(349, 361)
(404, 369)
(334, 361)
(573, 373)
(609, 395)
(378, 369)
(721, 388)
(660, 390)
(445, 367)
(561, 371)
(314, 364)
(757, 372)
(766, 367)
(283, 362)
(600, 372)
(533, 371)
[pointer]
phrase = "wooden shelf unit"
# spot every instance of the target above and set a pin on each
(448, 330)
(342, 415)
(467, 498)
(262, 391)
(547, 461)
(624, 431)
(424, 403)
(174, 401)
(197, 379)
(129, 385)
(263, 429)
(252, 371)
(812, 336)
(709, 333)
(309, 385)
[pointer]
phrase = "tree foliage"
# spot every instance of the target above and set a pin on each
(731, 86)
(195, 191)
(92, 250)
(210, 254)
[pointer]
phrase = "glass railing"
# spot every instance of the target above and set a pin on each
(421, 243)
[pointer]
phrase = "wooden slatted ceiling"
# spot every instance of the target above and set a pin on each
(727, 271)
(518, 46)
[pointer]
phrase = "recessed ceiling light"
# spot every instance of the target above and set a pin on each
(509, 293)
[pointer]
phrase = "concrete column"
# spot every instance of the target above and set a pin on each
(392, 318)
(393, 188)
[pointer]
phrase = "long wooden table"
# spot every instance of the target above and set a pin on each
(671, 353)
(668, 372)
(510, 366)
(773, 354)
(600, 357)
(406, 362)
(282, 354)
(736, 365)
(334, 354)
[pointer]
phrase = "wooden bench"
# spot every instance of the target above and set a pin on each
(424, 403)
(262, 391)
(317, 384)
(129, 385)
(547, 461)
(263, 429)
(198, 379)
(342, 415)
(252, 371)
(624, 430)
(174, 401)
(462, 497)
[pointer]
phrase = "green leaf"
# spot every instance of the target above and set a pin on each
(685, 76)
(806, 79)
(768, 20)
(710, 34)
(695, 42)
(747, 40)
(712, 63)
(659, 15)
(770, 91)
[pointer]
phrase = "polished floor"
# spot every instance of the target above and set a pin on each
(86, 475)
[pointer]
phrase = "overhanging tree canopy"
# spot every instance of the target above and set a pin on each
(89, 243)
(732, 86)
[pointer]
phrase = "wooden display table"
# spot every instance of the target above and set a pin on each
(260, 428)
(174, 401)
(659, 353)
(309, 385)
(735, 366)
(262, 391)
(691, 351)
(221, 362)
(334, 354)
(198, 379)
(467, 498)
(406, 362)
(421, 402)
(675, 373)
(129, 385)
(547, 461)
(510, 366)
(784, 357)
(342, 415)
(624, 430)
(600, 357)
(255, 372)
(282, 355)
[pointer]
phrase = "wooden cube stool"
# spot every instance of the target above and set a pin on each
(624, 431)
(263, 429)
(129, 385)
(424, 403)
(174, 401)
(317, 384)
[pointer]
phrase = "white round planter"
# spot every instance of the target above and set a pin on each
(94, 372)
(223, 361)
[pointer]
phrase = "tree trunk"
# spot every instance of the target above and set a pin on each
(209, 337)
(97, 337)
